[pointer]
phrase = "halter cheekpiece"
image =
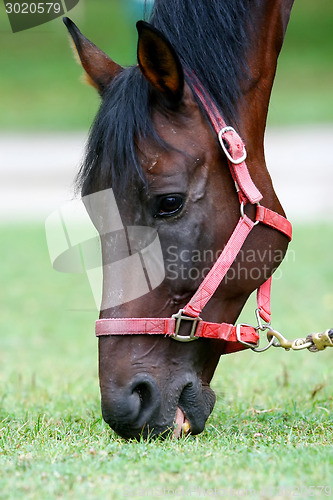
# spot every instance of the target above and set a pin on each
(237, 337)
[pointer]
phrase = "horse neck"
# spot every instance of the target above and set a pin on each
(271, 22)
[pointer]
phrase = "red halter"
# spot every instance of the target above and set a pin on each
(236, 337)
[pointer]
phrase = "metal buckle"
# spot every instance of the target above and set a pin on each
(241, 208)
(238, 327)
(179, 316)
(226, 152)
(255, 348)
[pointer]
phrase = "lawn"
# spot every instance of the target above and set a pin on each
(40, 85)
(271, 429)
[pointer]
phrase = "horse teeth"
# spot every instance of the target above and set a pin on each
(186, 427)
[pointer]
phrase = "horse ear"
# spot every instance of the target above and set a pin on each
(100, 69)
(159, 63)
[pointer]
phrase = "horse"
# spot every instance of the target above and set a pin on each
(165, 141)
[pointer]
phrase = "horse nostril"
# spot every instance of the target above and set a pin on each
(145, 394)
(132, 410)
(146, 389)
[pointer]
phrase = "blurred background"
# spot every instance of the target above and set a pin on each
(39, 82)
(46, 112)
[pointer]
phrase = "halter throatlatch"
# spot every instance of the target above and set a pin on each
(236, 337)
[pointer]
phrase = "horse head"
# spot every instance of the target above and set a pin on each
(154, 146)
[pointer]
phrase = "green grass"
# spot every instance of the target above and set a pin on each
(302, 91)
(40, 85)
(272, 426)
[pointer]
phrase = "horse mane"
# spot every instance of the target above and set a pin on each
(211, 40)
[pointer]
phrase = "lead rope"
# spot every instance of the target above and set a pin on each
(314, 342)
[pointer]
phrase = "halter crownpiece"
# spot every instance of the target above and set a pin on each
(236, 337)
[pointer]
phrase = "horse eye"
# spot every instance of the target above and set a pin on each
(169, 205)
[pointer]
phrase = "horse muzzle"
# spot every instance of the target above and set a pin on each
(141, 409)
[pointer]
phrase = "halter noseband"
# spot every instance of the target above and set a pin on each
(236, 337)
